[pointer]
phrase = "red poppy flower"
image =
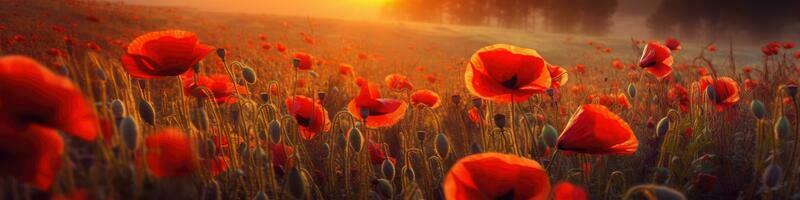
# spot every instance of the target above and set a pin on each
(377, 155)
(398, 82)
(345, 69)
(93, 18)
(475, 115)
(580, 68)
(427, 97)
(617, 64)
(496, 176)
(216, 165)
(266, 46)
(310, 115)
(31, 153)
(712, 48)
(281, 48)
(797, 55)
(568, 191)
(788, 45)
(305, 61)
(169, 154)
(500, 72)
(673, 44)
(657, 60)
(93, 46)
(725, 88)
(55, 52)
(280, 157)
(32, 94)
(747, 70)
(431, 78)
(558, 76)
(163, 53)
(622, 100)
(218, 85)
(381, 112)
(593, 129)
(678, 94)
(750, 84)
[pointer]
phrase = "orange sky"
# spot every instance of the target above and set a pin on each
(358, 9)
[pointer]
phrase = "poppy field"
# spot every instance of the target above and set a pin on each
(106, 100)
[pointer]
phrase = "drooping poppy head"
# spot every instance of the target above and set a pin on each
(32, 94)
(163, 53)
(218, 85)
(311, 117)
(726, 91)
(398, 82)
(678, 95)
(558, 75)
(656, 60)
(496, 176)
(500, 72)
(427, 97)
(31, 153)
(673, 44)
(303, 61)
(593, 129)
(380, 112)
(568, 191)
(169, 154)
(377, 155)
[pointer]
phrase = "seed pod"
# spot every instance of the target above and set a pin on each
(662, 127)
(264, 97)
(236, 114)
(101, 73)
(550, 135)
(410, 174)
(200, 119)
(275, 131)
(129, 130)
(791, 90)
(387, 168)
(297, 183)
(385, 188)
(249, 75)
(500, 121)
(146, 111)
(442, 145)
(209, 149)
(758, 109)
(475, 148)
(117, 108)
(631, 90)
(261, 196)
(212, 191)
(772, 176)
(355, 139)
(325, 151)
(711, 93)
(221, 53)
(782, 127)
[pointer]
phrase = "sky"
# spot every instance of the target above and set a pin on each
(347, 9)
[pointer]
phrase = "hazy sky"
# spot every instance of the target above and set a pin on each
(363, 9)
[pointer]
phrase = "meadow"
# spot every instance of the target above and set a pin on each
(112, 101)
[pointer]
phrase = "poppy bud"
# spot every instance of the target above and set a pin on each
(264, 97)
(456, 99)
(661, 175)
(275, 131)
(385, 188)
(146, 111)
(663, 126)
(421, 135)
(261, 196)
(221, 53)
(782, 127)
(117, 108)
(549, 135)
(235, 114)
(101, 74)
(387, 168)
(212, 190)
(791, 90)
(477, 102)
(442, 145)
(209, 149)
(500, 120)
(475, 148)
(200, 119)
(249, 75)
(321, 96)
(758, 109)
(631, 91)
(772, 176)
(711, 93)
(297, 184)
(130, 132)
(296, 62)
(356, 140)
(410, 174)
(244, 151)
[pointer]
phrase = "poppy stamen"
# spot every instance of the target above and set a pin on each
(511, 83)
